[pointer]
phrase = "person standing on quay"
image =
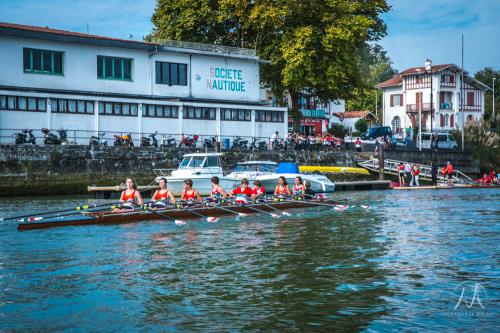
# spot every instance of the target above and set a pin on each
(434, 173)
(416, 175)
(407, 167)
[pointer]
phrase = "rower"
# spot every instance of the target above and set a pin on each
(242, 193)
(258, 190)
(298, 187)
(282, 188)
(130, 197)
(189, 193)
(217, 191)
(161, 196)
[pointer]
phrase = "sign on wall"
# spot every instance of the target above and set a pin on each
(224, 78)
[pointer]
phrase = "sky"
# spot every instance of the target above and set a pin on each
(416, 30)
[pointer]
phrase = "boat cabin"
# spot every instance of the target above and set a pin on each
(251, 169)
(195, 165)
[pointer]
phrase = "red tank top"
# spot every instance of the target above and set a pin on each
(161, 196)
(127, 197)
(190, 196)
(283, 190)
(216, 191)
(298, 188)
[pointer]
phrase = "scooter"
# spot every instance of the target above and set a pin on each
(168, 142)
(209, 143)
(189, 141)
(239, 143)
(261, 145)
(52, 139)
(22, 137)
(123, 140)
(96, 141)
(146, 142)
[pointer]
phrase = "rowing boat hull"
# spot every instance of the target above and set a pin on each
(102, 218)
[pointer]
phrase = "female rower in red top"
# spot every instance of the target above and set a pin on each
(130, 197)
(298, 187)
(401, 174)
(190, 194)
(217, 191)
(242, 193)
(282, 187)
(258, 190)
(162, 195)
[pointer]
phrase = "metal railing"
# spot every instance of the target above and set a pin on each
(207, 47)
(424, 106)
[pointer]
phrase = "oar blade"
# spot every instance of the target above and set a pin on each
(276, 216)
(212, 219)
(179, 222)
(286, 214)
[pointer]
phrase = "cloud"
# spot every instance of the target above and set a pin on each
(423, 29)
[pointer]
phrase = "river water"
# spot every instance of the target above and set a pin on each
(413, 261)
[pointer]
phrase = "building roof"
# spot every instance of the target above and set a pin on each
(64, 35)
(396, 80)
(354, 114)
(435, 69)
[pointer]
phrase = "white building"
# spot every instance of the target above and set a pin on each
(60, 79)
(349, 119)
(410, 91)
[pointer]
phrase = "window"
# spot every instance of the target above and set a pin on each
(160, 111)
(61, 105)
(114, 68)
(269, 116)
(171, 73)
(118, 109)
(446, 120)
(470, 98)
(396, 124)
(192, 112)
(21, 103)
(235, 114)
(448, 78)
(212, 162)
(42, 61)
(396, 100)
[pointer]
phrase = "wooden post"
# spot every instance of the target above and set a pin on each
(381, 161)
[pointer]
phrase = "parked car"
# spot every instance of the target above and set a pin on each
(445, 141)
(376, 132)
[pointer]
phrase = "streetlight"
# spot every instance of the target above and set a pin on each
(428, 69)
(494, 98)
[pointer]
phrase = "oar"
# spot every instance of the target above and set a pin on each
(276, 216)
(282, 212)
(206, 218)
(238, 214)
(37, 215)
(178, 222)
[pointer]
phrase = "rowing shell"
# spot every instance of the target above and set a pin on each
(90, 218)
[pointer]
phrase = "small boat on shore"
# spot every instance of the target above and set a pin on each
(110, 217)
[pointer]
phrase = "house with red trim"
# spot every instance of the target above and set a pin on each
(348, 119)
(408, 93)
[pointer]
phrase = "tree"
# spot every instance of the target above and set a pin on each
(486, 76)
(361, 125)
(484, 142)
(313, 46)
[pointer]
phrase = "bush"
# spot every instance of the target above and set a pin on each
(361, 125)
(337, 130)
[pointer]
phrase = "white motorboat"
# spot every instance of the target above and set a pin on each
(200, 168)
(268, 172)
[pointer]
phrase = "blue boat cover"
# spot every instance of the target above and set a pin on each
(287, 167)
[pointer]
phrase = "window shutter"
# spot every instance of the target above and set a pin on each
(441, 120)
(470, 98)
(392, 100)
(441, 97)
(401, 100)
(451, 121)
(452, 78)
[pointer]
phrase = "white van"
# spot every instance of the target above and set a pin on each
(445, 141)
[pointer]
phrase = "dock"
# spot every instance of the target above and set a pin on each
(441, 187)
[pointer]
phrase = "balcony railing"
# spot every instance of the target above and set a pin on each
(426, 107)
(446, 106)
(310, 113)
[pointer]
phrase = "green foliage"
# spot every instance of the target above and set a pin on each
(361, 125)
(337, 130)
(486, 76)
(484, 142)
(312, 46)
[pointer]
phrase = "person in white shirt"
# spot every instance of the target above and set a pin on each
(274, 139)
(408, 173)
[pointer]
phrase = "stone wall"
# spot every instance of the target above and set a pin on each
(38, 170)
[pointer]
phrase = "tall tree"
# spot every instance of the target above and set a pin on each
(312, 45)
(486, 76)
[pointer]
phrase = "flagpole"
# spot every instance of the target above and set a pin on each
(462, 95)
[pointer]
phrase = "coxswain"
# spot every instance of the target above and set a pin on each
(162, 195)
(217, 191)
(258, 190)
(242, 193)
(298, 187)
(130, 197)
(308, 191)
(189, 193)
(282, 188)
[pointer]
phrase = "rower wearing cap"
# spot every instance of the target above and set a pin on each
(189, 193)
(282, 188)
(242, 193)
(130, 197)
(217, 191)
(258, 190)
(161, 196)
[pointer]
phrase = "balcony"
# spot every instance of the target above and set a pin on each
(426, 107)
(446, 106)
(311, 113)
